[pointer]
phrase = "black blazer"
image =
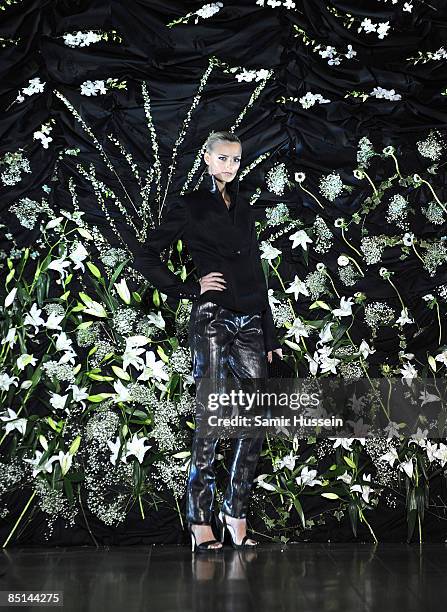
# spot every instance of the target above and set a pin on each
(218, 240)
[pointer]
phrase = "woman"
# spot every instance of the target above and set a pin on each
(231, 326)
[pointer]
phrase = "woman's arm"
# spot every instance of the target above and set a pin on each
(146, 257)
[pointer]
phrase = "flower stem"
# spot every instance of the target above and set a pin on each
(439, 323)
(312, 195)
(179, 513)
(372, 184)
(141, 507)
(349, 244)
(434, 195)
(356, 265)
(19, 519)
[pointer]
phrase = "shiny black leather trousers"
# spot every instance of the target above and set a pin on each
(223, 343)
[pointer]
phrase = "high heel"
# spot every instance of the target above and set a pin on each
(222, 523)
(203, 546)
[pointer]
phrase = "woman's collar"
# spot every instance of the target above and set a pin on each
(209, 183)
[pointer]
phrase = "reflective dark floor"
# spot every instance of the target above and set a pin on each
(307, 577)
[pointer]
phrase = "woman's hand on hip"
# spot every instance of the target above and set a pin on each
(212, 280)
(278, 351)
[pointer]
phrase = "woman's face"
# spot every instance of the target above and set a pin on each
(224, 160)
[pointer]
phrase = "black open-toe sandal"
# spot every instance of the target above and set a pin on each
(203, 546)
(222, 524)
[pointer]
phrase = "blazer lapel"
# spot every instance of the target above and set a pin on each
(236, 234)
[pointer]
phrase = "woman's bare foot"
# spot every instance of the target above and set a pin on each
(239, 526)
(204, 533)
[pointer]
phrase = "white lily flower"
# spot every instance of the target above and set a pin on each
(136, 447)
(345, 309)
(307, 478)
(10, 337)
(53, 321)
(65, 460)
(6, 381)
(122, 394)
(33, 318)
(325, 334)
(404, 318)
(407, 467)
(24, 360)
(78, 255)
(313, 362)
(441, 454)
(345, 443)
(154, 368)
(264, 485)
(156, 319)
(297, 287)
(45, 467)
(268, 251)
(13, 422)
(390, 456)
(123, 290)
(115, 448)
(298, 330)
(365, 490)
(300, 238)
(58, 401)
(63, 342)
(365, 349)
(59, 265)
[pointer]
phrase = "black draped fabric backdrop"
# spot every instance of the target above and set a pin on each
(139, 52)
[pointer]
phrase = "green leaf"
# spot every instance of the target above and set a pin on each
(330, 495)
(319, 304)
(299, 509)
(117, 272)
(182, 454)
(100, 397)
(120, 373)
(94, 269)
(85, 298)
(69, 490)
(162, 354)
(353, 517)
(432, 363)
(75, 445)
(100, 377)
(156, 298)
(84, 233)
(350, 462)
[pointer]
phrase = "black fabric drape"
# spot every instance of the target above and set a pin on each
(171, 62)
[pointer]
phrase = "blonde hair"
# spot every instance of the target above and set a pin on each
(221, 136)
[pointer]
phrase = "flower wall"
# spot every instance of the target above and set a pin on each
(104, 118)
